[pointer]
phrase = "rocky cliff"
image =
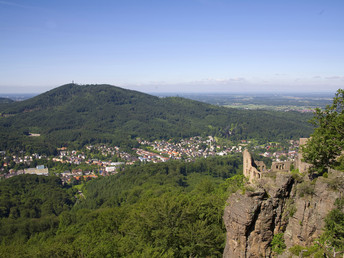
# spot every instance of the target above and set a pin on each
(279, 202)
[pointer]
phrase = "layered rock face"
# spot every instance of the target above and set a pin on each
(278, 204)
(307, 222)
(252, 218)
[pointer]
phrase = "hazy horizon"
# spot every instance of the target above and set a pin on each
(183, 94)
(206, 91)
(164, 46)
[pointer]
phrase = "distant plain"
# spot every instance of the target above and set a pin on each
(302, 102)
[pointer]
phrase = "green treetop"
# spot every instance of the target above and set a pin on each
(326, 143)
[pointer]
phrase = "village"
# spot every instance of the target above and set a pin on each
(92, 161)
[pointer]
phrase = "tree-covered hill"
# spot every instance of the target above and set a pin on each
(102, 113)
(171, 209)
(5, 100)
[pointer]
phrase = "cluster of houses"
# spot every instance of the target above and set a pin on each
(78, 157)
(73, 157)
(67, 176)
(148, 156)
(109, 152)
(290, 154)
(187, 149)
(102, 156)
(25, 159)
(38, 170)
(194, 147)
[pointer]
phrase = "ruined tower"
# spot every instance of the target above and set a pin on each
(250, 168)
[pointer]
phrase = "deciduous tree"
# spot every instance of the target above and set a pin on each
(327, 142)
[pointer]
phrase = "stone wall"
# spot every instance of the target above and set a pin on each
(299, 164)
(253, 170)
(281, 166)
(250, 170)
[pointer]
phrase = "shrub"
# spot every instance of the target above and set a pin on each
(313, 251)
(296, 249)
(297, 176)
(277, 244)
(305, 188)
(292, 210)
(249, 188)
(335, 183)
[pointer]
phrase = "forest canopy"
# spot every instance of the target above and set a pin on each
(171, 209)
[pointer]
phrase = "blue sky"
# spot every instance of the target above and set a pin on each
(173, 45)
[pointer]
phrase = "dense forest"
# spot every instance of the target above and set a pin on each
(171, 209)
(5, 100)
(78, 115)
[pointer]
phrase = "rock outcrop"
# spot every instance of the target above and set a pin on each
(278, 203)
(307, 222)
(252, 218)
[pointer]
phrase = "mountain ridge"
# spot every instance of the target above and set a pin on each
(85, 114)
(5, 100)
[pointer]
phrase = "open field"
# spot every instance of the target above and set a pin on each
(301, 102)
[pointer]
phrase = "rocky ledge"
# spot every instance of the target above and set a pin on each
(278, 203)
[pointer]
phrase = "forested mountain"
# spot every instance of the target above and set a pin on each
(5, 100)
(102, 113)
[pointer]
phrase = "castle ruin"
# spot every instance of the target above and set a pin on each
(253, 170)
(299, 164)
(250, 168)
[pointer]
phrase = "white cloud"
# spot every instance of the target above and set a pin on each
(335, 78)
(212, 81)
